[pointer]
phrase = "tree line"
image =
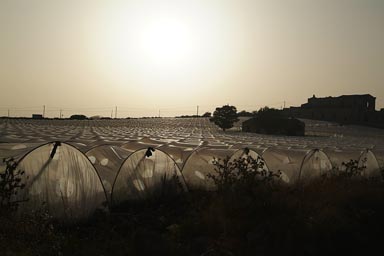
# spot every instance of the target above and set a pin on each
(226, 116)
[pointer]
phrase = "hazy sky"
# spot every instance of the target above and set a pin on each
(145, 56)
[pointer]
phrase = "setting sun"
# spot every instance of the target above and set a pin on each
(152, 42)
(166, 49)
(167, 43)
(172, 55)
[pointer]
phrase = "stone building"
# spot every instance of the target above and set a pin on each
(345, 109)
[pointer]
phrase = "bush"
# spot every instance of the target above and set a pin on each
(270, 124)
(243, 173)
(350, 169)
(78, 117)
(10, 185)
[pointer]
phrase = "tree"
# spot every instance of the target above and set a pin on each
(78, 117)
(267, 112)
(207, 114)
(225, 117)
(244, 113)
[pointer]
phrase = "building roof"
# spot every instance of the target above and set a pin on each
(345, 96)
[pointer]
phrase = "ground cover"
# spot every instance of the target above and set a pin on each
(262, 216)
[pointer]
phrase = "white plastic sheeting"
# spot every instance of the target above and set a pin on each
(142, 143)
(338, 157)
(286, 161)
(64, 183)
(14, 151)
(379, 154)
(201, 163)
(369, 164)
(178, 153)
(147, 174)
(191, 143)
(315, 164)
(107, 160)
(245, 153)
(185, 132)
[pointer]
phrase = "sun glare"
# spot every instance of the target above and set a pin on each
(166, 43)
(152, 44)
(162, 49)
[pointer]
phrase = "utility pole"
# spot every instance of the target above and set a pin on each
(61, 115)
(8, 113)
(159, 113)
(115, 112)
(112, 113)
(197, 110)
(44, 111)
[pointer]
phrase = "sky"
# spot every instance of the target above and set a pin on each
(150, 58)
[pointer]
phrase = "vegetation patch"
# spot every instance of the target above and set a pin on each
(251, 213)
(272, 121)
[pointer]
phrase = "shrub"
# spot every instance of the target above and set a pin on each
(352, 168)
(10, 185)
(243, 173)
(347, 170)
(78, 117)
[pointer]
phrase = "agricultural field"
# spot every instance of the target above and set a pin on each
(183, 133)
(80, 175)
(171, 134)
(192, 143)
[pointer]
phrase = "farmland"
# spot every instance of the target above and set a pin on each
(323, 215)
(193, 132)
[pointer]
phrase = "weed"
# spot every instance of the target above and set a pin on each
(241, 173)
(10, 186)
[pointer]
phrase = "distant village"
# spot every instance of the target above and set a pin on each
(345, 109)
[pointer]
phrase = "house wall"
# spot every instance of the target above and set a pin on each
(346, 109)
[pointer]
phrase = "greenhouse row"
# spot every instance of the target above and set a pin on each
(187, 132)
(72, 184)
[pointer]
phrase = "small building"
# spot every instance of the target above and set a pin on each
(274, 125)
(344, 109)
(37, 116)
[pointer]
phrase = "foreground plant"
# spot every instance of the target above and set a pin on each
(353, 169)
(10, 186)
(241, 173)
(347, 170)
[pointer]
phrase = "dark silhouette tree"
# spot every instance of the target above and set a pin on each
(225, 117)
(78, 117)
(245, 113)
(207, 114)
(267, 112)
